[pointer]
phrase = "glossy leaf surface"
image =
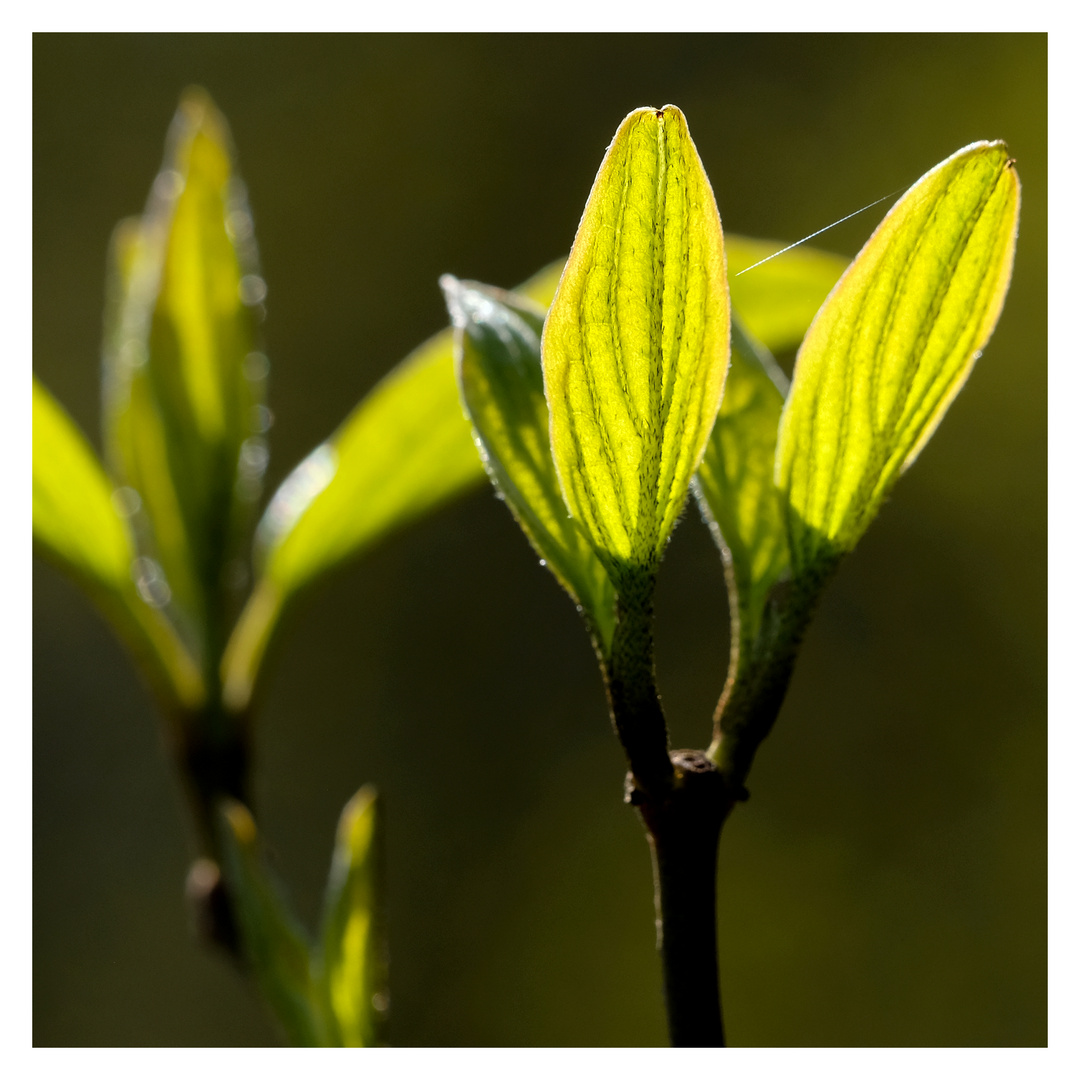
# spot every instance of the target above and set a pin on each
(892, 347)
(353, 965)
(735, 481)
(183, 380)
(502, 388)
(636, 344)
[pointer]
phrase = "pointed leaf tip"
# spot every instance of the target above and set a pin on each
(497, 353)
(892, 345)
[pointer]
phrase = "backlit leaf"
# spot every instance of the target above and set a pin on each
(892, 346)
(352, 971)
(636, 343)
(183, 378)
(735, 482)
(502, 387)
(74, 513)
(404, 450)
(80, 523)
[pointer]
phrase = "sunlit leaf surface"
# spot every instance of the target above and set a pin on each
(352, 974)
(893, 345)
(636, 343)
(404, 450)
(735, 480)
(502, 387)
(184, 421)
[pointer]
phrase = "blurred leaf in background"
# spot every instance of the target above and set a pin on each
(184, 412)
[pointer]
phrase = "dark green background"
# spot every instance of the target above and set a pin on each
(886, 883)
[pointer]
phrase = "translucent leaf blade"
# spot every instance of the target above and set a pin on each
(78, 525)
(75, 518)
(893, 345)
(404, 450)
(735, 482)
(777, 301)
(502, 388)
(636, 344)
(352, 975)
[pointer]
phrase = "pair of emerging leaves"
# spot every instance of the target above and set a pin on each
(593, 422)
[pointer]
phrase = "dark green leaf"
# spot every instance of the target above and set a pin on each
(502, 388)
(735, 482)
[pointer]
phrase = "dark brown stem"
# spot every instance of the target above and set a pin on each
(683, 828)
(213, 755)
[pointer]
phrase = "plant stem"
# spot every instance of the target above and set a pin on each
(683, 828)
(683, 801)
(213, 755)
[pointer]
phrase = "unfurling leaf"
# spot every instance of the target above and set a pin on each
(735, 482)
(502, 388)
(183, 409)
(352, 969)
(892, 346)
(636, 343)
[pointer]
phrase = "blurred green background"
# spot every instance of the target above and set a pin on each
(886, 883)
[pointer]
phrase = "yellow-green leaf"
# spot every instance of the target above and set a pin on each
(778, 300)
(404, 450)
(273, 943)
(892, 346)
(352, 970)
(735, 482)
(80, 523)
(636, 343)
(75, 516)
(502, 388)
(183, 377)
